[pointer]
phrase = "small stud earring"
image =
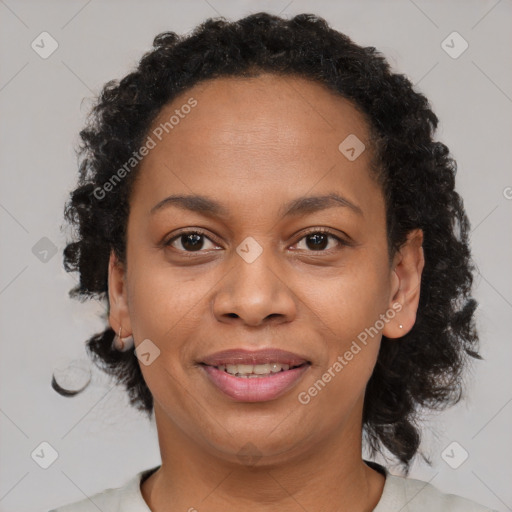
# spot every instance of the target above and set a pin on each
(122, 344)
(401, 326)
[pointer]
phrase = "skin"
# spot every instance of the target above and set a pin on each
(254, 145)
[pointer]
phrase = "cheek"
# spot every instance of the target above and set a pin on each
(336, 393)
(347, 307)
(350, 300)
(339, 381)
(164, 301)
(165, 308)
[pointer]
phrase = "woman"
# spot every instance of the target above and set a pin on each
(281, 246)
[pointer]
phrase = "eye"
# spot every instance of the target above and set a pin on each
(318, 240)
(190, 241)
(194, 241)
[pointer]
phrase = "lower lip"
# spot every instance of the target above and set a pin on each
(258, 389)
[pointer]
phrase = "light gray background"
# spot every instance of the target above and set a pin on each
(100, 441)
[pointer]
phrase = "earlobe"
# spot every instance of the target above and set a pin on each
(405, 285)
(119, 317)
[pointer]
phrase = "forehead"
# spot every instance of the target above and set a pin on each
(267, 109)
(259, 137)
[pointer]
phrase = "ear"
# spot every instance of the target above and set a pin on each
(406, 271)
(118, 316)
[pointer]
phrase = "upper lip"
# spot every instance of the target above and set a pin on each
(243, 356)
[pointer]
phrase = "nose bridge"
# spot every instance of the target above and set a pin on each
(255, 267)
(254, 289)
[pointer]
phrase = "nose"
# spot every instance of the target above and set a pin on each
(254, 294)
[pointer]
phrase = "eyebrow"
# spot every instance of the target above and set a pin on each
(300, 206)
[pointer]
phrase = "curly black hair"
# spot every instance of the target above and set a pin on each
(416, 173)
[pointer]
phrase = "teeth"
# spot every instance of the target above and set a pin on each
(243, 369)
(276, 367)
(253, 370)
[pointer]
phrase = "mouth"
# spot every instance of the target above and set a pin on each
(247, 376)
(258, 371)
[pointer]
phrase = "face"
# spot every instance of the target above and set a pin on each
(256, 265)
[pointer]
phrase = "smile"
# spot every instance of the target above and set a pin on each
(255, 383)
(254, 370)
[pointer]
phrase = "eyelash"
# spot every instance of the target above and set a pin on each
(201, 233)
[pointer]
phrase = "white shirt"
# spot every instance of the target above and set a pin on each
(399, 495)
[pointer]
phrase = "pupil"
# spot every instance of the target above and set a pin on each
(320, 241)
(192, 241)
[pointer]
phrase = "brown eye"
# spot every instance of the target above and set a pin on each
(319, 240)
(190, 241)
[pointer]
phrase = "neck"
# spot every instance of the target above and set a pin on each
(330, 475)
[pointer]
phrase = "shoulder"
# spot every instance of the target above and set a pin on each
(125, 498)
(108, 500)
(411, 495)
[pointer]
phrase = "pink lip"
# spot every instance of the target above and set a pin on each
(242, 356)
(259, 389)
